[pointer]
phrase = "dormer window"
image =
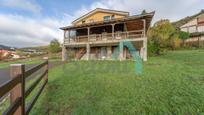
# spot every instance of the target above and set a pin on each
(106, 18)
(83, 21)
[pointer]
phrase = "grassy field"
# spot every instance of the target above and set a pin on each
(24, 61)
(170, 84)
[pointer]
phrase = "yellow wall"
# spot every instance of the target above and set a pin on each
(98, 17)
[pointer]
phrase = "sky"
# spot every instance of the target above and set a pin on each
(27, 23)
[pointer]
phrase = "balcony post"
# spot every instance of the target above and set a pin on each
(69, 35)
(88, 33)
(64, 35)
(113, 31)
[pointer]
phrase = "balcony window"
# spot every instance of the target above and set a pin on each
(106, 18)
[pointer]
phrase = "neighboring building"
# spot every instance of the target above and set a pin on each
(97, 34)
(193, 25)
(9, 54)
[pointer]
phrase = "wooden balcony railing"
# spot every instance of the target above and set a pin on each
(106, 36)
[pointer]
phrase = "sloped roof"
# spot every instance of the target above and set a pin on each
(186, 19)
(147, 16)
(100, 10)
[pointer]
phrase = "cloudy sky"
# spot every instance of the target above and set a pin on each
(35, 22)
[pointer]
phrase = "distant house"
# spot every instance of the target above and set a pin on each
(9, 54)
(97, 34)
(193, 25)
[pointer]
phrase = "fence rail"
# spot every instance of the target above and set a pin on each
(16, 87)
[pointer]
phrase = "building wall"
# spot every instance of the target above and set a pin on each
(195, 25)
(98, 17)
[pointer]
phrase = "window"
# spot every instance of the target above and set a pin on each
(106, 18)
(112, 17)
(83, 21)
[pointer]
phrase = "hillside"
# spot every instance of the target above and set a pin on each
(3, 47)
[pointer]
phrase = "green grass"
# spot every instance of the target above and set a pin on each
(27, 61)
(170, 84)
(24, 61)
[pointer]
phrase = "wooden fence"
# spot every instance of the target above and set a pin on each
(16, 87)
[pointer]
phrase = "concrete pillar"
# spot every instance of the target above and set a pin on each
(64, 53)
(69, 35)
(145, 49)
(88, 51)
(144, 42)
(125, 53)
(121, 51)
(109, 52)
(141, 52)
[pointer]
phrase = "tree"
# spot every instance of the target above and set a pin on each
(183, 36)
(54, 46)
(162, 36)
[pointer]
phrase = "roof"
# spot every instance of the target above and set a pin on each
(101, 10)
(186, 19)
(147, 16)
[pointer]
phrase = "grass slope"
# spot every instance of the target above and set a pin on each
(170, 84)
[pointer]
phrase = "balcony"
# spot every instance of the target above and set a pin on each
(106, 37)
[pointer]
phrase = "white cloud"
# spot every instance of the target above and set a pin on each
(165, 9)
(21, 31)
(25, 5)
(16, 30)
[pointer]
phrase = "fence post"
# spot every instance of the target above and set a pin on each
(46, 68)
(18, 90)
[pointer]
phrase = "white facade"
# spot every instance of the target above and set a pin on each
(195, 25)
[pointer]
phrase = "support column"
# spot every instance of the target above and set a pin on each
(88, 33)
(64, 53)
(109, 52)
(121, 51)
(69, 35)
(88, 51)
(125, 53)
(144, 42)
(113, 31)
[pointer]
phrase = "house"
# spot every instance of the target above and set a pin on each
(193, 25)
(97, 34)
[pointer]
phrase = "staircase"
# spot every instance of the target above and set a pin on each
(80, 53)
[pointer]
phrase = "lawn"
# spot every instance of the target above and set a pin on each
(24, 61)
(170, 84)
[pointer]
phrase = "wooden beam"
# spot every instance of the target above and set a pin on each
(19, 90)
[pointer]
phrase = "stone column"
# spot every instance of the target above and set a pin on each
(64, 53)
(88, 51)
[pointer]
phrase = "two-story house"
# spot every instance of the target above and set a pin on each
(97, 34)
(193, 25)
